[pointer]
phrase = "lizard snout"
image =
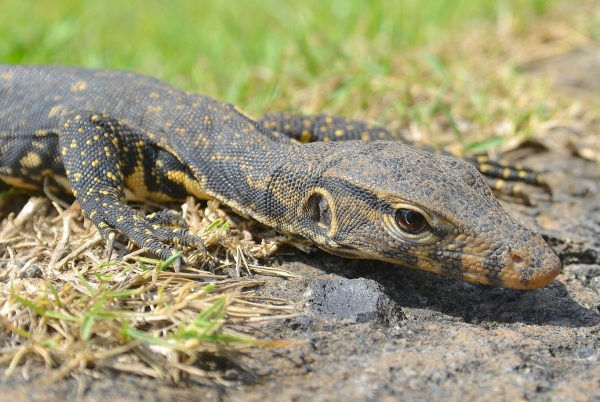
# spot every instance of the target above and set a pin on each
(530, 267)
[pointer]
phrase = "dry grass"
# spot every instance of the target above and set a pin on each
(61, 305)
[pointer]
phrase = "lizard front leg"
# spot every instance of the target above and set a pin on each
(96, 151)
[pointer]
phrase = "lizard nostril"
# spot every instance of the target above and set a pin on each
(517, 259)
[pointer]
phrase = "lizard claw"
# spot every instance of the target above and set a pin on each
(110, 243)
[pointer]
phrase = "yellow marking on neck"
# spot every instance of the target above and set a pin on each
(191, 185)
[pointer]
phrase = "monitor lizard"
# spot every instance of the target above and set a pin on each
(100, 134)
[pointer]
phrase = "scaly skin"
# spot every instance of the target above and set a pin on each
(101, 133)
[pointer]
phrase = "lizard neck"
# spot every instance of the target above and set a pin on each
(290, 187)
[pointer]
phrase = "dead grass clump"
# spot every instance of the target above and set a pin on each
(60, 304)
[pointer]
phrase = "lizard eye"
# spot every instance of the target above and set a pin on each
(410, 221)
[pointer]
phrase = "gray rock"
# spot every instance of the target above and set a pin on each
(357, 300)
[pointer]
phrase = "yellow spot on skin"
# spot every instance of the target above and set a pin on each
(365, 136)
(506, 173)
(339, 133)
(79, 86)
(154, 95)
(31, 160)
(517, 189)
(305, 137)
(155, 109)
(54, 111)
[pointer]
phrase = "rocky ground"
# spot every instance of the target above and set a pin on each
(374, 331)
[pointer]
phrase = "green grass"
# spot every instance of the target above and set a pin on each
(244, 52)
(353, 58)
(98, 321)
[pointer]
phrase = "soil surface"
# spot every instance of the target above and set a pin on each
(377, 331)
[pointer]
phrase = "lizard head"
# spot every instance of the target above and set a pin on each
(392, 202)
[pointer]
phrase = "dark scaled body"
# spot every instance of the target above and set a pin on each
(101, 134)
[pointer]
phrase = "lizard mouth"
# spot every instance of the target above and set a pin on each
(530, 267)
(527, 266)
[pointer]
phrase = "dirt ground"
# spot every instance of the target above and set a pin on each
(375, 331)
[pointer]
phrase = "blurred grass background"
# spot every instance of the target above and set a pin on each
(430, 67)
